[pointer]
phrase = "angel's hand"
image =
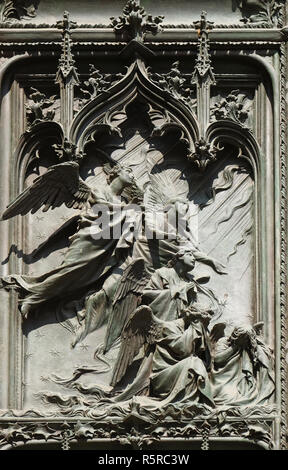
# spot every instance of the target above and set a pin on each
(219, 267)
(198, 315)
(240, 337)
(205, 318)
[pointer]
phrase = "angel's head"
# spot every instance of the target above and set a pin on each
(243, 335)
(185, 258)
(197, 312)
(124, 173)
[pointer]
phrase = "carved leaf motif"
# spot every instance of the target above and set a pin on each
(205, 153)
(96, 84)
(14, 432)
(36, 106)
(135, 23)
(41, 432)
(235, 106)
(176, 84)
(84, 430)
(265, 12)
(258, 432)
(19, 9)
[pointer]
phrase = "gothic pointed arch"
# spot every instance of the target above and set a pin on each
(135, 86)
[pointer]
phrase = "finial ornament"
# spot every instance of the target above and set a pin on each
(66, 75)
(135, 22)
(203, 68)
(66, 62)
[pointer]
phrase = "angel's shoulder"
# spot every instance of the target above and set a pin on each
(164, 272)
(222, 344)
(173, 327)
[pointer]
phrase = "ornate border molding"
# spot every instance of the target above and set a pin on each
(80, 430)
(283, 223)
(137, 432)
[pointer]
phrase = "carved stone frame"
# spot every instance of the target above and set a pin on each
(271, 213)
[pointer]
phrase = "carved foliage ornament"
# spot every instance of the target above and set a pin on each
(175, 83)
(135, 432)
(37, 107)
(235, 106)
(67, 152)
(18, 9)
(265, 12)
(205, 153)
(135, 22)
(96, 83)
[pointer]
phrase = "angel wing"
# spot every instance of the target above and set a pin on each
(165, 186)
(217, 332)
(141, 328)
(126, 299)
(61, 184)
(258, 327)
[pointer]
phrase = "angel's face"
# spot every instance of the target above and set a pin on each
(188, 260)
(126, 176)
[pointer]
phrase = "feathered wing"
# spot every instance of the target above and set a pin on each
(165, 188)
(61, 184)
(126, 299)
(217, 332)
(258, 327)
(141, 328)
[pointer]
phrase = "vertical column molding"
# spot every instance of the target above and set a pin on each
(283, 248)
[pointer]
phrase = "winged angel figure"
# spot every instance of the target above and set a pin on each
(172, 328)
(163, 328)
(94, 262)
(169, 221)
(88, 258)
(183, 360)
(176, 363)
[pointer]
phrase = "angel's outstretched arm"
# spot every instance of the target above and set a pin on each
(153, 289)
(216, 265)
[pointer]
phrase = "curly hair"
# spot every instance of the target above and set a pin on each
(180, 253)
(113, 171)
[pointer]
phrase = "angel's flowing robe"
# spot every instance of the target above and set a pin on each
(237, 381)
(88, 260)
(178, 370)
(167, 293)
(176, 367)
(175, 371)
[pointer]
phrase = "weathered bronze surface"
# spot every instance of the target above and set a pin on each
(144, 224)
